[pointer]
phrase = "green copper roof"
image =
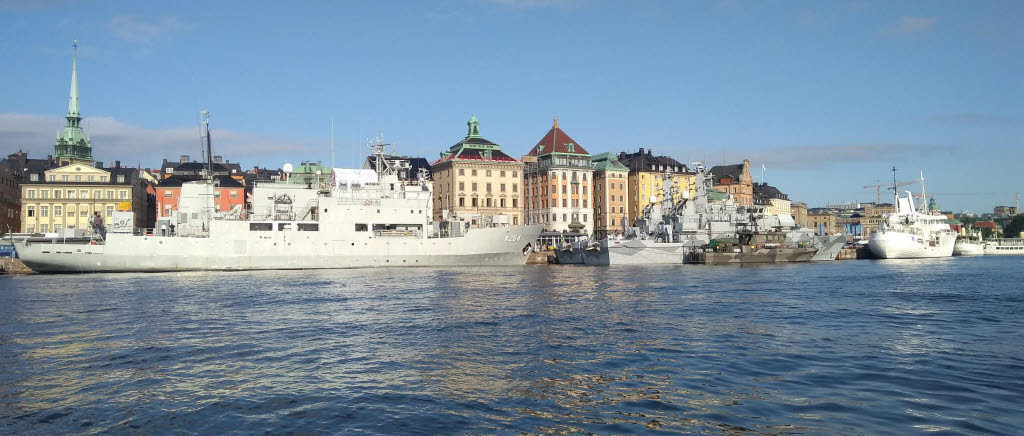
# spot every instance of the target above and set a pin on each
(715, 195)
(607, 161)
(72, 143)
(474, 127)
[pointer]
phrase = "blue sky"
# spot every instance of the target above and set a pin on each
(826, 94)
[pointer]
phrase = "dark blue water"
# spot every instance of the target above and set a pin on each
(858, 347)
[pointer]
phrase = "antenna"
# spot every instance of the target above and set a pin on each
(208, 151)
(332, 143)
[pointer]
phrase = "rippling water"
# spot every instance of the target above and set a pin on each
(860, 347)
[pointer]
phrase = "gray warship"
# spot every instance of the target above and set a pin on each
(377, 221)
(698, 230)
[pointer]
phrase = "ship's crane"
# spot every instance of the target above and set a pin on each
(878, 186)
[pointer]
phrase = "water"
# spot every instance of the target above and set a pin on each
(859, 347)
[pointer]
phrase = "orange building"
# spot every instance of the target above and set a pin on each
(229, 194)
(736, 181)
(558, 177)
(610, 195)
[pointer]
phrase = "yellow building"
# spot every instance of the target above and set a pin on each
(646, 175)
(68, 197)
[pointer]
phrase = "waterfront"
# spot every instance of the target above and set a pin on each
(866, 347)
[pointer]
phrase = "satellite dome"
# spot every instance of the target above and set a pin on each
(287, 168)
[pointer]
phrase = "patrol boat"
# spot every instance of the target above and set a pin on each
(353, 222)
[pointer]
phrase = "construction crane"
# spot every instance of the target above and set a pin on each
(878, 186)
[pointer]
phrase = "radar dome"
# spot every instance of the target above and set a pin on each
(287, 168)
(654, 199)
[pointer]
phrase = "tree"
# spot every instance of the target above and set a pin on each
(1013, 228)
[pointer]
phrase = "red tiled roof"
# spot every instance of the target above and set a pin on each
(554, 142)
(474, 154)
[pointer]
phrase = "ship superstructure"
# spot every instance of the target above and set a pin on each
(911, 233)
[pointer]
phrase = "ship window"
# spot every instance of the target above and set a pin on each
(284, 226)
(261, 227)
(308, 227)
(362, 228)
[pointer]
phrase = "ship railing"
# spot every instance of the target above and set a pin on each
(358, 202)
(398, 233)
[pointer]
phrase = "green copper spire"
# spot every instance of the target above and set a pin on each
(73, 102)
(73, 146)
(474, 127)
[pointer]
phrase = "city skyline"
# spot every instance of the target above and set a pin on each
(827, 96)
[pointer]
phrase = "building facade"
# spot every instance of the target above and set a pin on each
(735, 180)
(610, 195)
(559, 180)
(799, 212)
(11, 171)
(73, 146)
(69, 196)
(475, 181)
(646, 175)
(228, 194)
(774, 201)
(823, 221)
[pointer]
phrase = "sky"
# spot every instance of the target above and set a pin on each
(827, 95)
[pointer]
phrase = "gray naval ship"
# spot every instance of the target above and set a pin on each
(357, 221)
(697, 230)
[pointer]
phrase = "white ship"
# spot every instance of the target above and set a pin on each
(909, 233)
(1003, 246)
(969, 245)
(353, 222)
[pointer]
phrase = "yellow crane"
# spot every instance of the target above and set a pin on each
(878, 186)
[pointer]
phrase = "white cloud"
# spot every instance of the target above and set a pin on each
(113, 139)
(911, 25)
(814, 156)
(139, 31)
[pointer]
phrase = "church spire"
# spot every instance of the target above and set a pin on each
(73, 145)
(73, 101)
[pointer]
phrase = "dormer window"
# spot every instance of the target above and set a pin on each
(569, 147)
(34, 177)
(120, 178)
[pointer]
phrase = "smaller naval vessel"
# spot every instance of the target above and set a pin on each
(698, 230)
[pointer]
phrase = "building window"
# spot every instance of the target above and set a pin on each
(64, 178)
(103, 179)
(474, 202)
(110, 211)
(34, 177)
(96, 194)
(515, 187)
(71, 193)
(216, 194)
(584, 217)
(488, 173)
(488, 188)
(44, 211)
(488, 202)
(515, 221)
(31, 211)
(92, 178)
(44, 193)
(502, 187)
(31, 193)
(124, 194)
(83, 213)
(565, 218)
(474, 186)
(167, 194)
(44, 228)
(554, 218)
(56, 193)
(502, 174)
(78, 177)
(462, 202)
(57, 211)
(502, 202)
(83, 194)
(565, 203)
(120, 178)
(234, 194)
(515, 202)
(584, 190)
(110, 195)
(462, 186)
(515, 173)
(474, 172)
(462, 171)
(584, 203)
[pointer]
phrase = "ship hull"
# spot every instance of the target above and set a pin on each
(831, 245)
(961, 248)
(625, 252)
(900, 245)
(127, 253)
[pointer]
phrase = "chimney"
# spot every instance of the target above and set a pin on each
(641, 151)
(117, 164)
(216, 159)
(184, 159)
(99, 164)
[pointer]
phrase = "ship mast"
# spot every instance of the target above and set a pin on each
(895, 192)
(209, 149)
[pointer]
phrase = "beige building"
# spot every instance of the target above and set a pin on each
(68, 197)
(610, 195)
(873, 217)
(799, 212)
(477, 182)
(823, 221)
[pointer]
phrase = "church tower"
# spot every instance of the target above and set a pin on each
(72, 145)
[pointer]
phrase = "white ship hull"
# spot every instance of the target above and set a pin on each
(900, 245)
(626, 252)
(1003, 247)
(278, 250)
(965, 248)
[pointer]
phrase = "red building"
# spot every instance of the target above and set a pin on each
(229, 194)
